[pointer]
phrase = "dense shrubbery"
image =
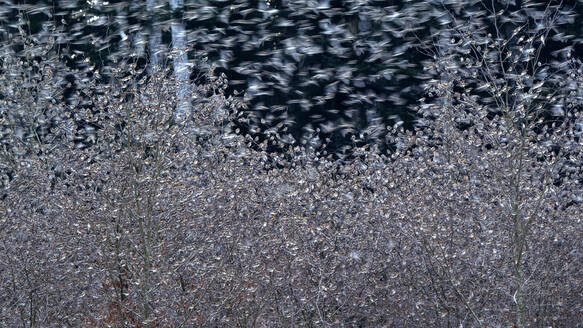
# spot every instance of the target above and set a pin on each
(116, 213)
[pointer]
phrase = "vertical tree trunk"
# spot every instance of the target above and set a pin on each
(122, 22)
(155, 41)
(180, 60)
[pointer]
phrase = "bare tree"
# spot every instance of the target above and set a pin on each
(502, 151)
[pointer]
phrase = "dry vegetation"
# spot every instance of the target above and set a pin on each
(114, 213)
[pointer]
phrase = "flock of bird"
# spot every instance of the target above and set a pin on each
(325, 67)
